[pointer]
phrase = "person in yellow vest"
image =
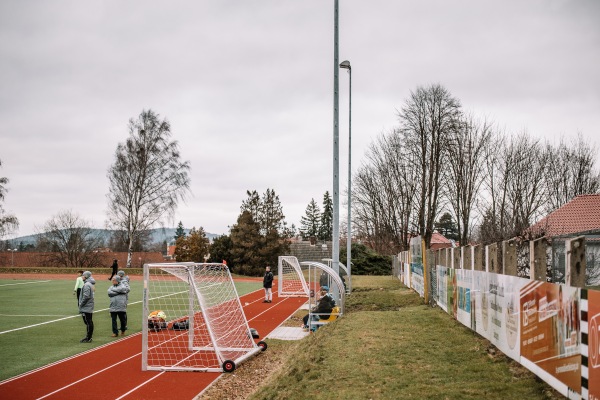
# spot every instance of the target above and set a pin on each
(78, 285)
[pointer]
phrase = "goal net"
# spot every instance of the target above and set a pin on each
(195, 320)
(291, 279)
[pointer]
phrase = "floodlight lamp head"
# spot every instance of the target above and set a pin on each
(346, 65)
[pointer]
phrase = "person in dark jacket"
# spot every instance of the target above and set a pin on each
(86, 305)
(268, 285)
(323, 308)
(115, 268)
(117, 293)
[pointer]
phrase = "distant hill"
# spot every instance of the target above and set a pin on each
(159, 235)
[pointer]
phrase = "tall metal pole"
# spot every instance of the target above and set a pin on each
(336, 148)
(349, 238)
(346, 65)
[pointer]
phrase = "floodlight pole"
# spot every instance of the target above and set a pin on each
(336, 148)
(346, 65)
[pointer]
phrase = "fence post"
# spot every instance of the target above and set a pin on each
(478, 258)
(537, 259)
(492, 264)
(456, 257)
(575, 262)
(509, 259)
(466, 262)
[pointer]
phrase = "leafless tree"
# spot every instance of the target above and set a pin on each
(383, 195)
(570, 172)
(426, 121)
(69, 241)
(515, 189)
(147, 179)
(8, 222)
(467, 149)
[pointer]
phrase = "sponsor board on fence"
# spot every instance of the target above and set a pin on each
(496, 304)
(462, 299)
(593, 344)
(442, 287)
(549, 333)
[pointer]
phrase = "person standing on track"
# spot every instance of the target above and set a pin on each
(117, 293)
(115, 268)
(86, 305)
(268, 285)
(78, 285)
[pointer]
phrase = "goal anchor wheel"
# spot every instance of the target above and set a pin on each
(262, 345)
(228, 366)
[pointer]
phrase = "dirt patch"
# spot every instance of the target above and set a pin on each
(248, 377)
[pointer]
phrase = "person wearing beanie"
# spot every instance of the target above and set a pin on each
(86, 305)
(124, 281)
(117, 294)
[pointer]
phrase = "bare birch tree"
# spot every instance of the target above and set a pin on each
(8, 222)
(426, 121)
(465, 172)
(147, 179)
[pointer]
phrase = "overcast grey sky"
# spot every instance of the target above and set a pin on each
(248, 89)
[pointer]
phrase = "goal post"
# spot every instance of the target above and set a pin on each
(291, 280)
(193, 319)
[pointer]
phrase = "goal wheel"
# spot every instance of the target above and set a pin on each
(228, 366)
(262, 345)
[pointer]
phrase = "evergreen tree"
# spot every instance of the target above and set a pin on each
(180, 231)
(220, 250)
(326, 231)
(246, 241)
(252, 205)
(193, 247)
(447, 227)
(253, 250)
(310, 223)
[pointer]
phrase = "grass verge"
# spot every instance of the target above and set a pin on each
(387, 346)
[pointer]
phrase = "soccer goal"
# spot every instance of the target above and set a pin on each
(291, 280)
(195, 320)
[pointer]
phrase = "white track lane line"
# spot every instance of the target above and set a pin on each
(23, 283)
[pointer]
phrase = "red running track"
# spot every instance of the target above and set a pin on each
(114, 371)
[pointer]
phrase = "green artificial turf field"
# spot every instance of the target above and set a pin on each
(40, 324)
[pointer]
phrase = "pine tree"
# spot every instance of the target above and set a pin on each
(326, 231)
(180, 231)
(193, 247)
(447, 227)
(246, 241)
(310, 223)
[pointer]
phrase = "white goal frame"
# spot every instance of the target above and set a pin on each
(291, 281)
(216, 336)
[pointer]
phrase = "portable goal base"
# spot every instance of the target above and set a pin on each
(193, 319)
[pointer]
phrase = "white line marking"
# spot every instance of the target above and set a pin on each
(56, 320)
(22, 283)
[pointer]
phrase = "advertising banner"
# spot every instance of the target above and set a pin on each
(593, 344)
(442, 287)
(417, 280)
(549, 333)
(464, 278)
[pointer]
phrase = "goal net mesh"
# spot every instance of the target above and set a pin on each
(291, 278)
(195, 320)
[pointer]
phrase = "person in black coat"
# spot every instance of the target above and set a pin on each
(268, 285)
(324, 307)
(115, 269)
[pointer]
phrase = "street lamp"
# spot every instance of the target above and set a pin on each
(12, 262)
(346, 65)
